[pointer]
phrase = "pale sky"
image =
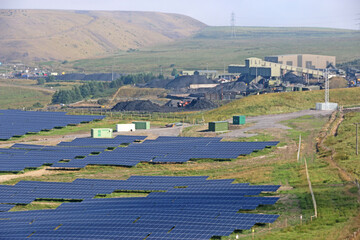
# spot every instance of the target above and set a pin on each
(274, 13)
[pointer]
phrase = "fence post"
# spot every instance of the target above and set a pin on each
(298, 155)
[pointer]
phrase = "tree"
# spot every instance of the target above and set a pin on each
(40, 81)
(174, 72)
(50, 79)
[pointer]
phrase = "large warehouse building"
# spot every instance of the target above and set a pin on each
(271, 69)
(303, 60)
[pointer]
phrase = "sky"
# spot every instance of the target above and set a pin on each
(271, 13)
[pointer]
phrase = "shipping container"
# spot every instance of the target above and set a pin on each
(142, 125)
(125, 127)
(218, 126)
(101, 132)
(239, 120)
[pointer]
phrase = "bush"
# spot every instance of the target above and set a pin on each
(40, 81)
(38, 105)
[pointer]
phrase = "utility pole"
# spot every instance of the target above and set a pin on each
(112, 68)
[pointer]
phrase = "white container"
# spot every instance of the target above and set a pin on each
(125, 127)
(326, 106)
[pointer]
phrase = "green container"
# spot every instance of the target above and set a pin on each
(239, 120)
(101, 132)
(142, 125)
(218, 126)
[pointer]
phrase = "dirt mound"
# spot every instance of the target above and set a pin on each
(137, 105)
(200, 104)
(183, 82)
(338, 82)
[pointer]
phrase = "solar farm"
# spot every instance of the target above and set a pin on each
(171, 207)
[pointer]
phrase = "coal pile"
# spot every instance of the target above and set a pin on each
(138, 105)
(88, 77)
(238, 86)
(200, 104)
(71, 77)
(292, 78)
(158, 83)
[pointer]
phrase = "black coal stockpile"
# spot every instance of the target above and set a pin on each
(89, 77)
(200, 104)
(158, 83)
(292, 78)
(171, 106)
(138, 105)
(185, 81)
(232, 86)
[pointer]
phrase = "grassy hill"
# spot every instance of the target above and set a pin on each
(213, 48)
(12, 96)
(68, 35)
(276, 103)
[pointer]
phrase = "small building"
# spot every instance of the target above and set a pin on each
(239, 120)
(142, 125)
(125, 127)
(219, 126)
(101, 132)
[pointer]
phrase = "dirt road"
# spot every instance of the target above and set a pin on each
(271, 121)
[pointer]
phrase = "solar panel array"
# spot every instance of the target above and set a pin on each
(17, 122)
(199, 209)
(21, 156)
(80, 152)
(164, 150)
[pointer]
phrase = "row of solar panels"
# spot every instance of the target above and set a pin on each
(17, 122)
(25, 192)
(80, 152)
(164, 149)
(171, 214)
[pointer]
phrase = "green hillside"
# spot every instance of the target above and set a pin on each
(213, 48)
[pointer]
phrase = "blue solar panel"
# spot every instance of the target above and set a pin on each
(161, 150)
(17, 123)
(175, 213)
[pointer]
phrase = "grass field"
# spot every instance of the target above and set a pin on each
(19, 97)
(344, 143)
(213, 48)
